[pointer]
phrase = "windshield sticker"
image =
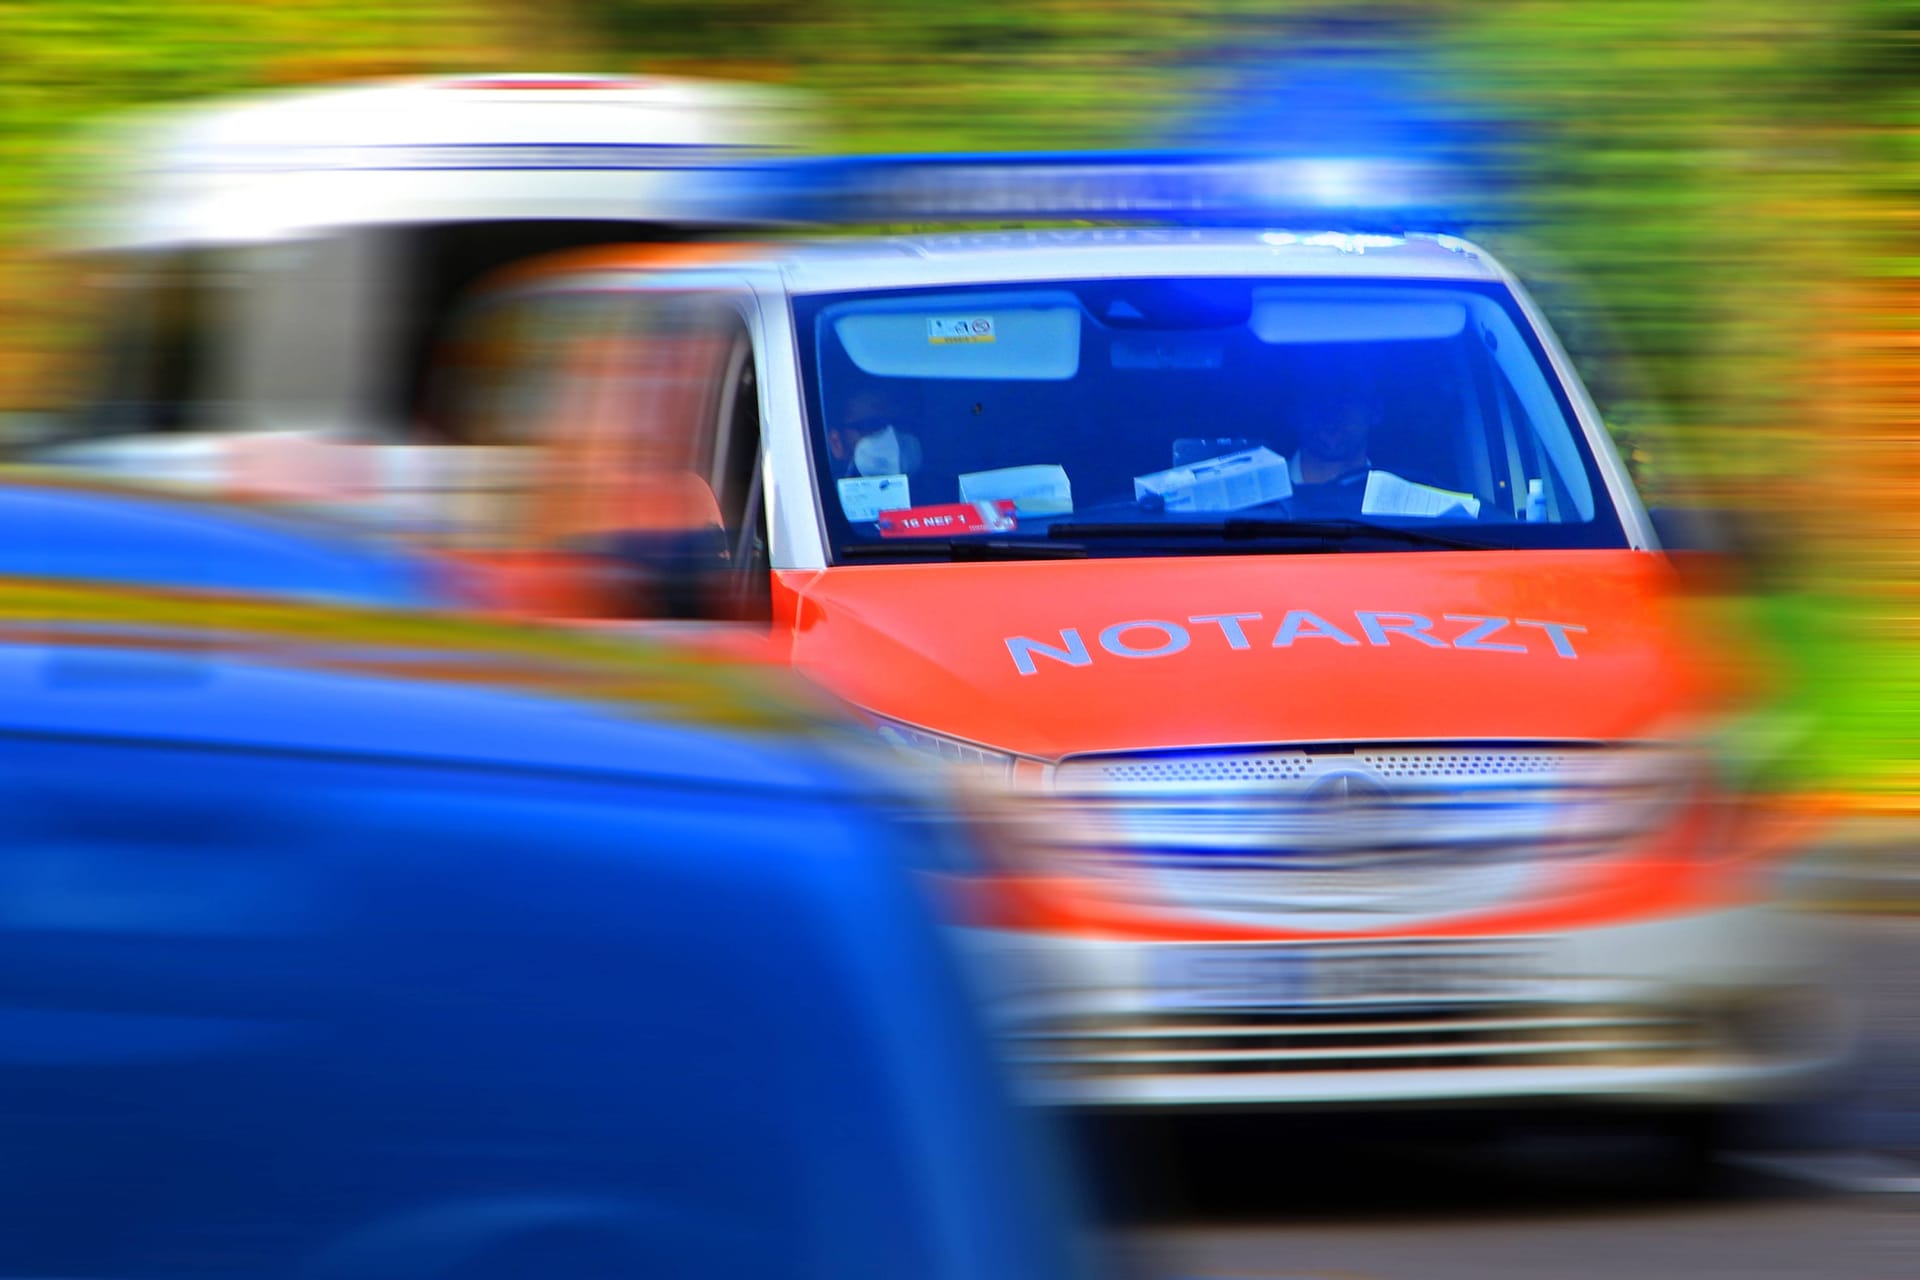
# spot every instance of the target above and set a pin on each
(947, 330)
(947, 519)
(1146, 638)
(865, 497)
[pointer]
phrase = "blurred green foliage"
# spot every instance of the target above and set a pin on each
(1854, 688)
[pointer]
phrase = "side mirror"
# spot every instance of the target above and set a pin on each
(682, 573)
(1715, 551)
(673, 559)
(1685, 530)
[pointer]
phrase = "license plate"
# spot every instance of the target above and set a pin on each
(1267, 976)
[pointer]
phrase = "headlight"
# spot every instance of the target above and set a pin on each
(929, 747)
(978, 782)
(1625, 793)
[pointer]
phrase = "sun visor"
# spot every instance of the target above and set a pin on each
(1301, 316)
(1028, 337)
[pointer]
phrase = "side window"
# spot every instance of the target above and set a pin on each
(1540, 491)
(737, 483)
(495, 379)
(737, 441)
(657, 471)
(498, 396)
(1534, 445)
(623, 428)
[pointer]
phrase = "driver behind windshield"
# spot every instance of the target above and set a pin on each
(1336, 419)
(1336, 416)
(1331, 470)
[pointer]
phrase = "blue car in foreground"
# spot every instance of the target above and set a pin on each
(456, 951)
(95, 530)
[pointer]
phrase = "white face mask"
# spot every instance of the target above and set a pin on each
(878, 453)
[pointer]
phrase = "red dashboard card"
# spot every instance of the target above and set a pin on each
(943, 520)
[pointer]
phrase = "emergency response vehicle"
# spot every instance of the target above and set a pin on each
(1283, 580)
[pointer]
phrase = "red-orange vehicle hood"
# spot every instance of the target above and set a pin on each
(1036, 656)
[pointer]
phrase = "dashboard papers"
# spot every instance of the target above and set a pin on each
(1041, 490)
(865, 497)
(1230, 482)
(1389, 495)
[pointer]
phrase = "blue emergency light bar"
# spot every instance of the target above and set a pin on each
(1184, 187)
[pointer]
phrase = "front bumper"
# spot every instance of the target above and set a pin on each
(1731, 1006)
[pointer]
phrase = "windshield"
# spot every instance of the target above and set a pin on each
(1191, 416)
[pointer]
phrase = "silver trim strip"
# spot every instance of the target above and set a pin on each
(797, 536)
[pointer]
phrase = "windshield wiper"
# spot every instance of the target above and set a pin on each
(992, 549)
(1312, 533)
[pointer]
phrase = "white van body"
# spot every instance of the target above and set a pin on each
(282, 265)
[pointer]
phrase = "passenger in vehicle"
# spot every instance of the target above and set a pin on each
(869, 443)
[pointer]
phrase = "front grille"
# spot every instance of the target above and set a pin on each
(1386, 831)
(1455, 764)
(1210, 771)
(1456, 1036)
(1439, 765)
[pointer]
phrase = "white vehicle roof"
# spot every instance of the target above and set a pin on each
(498, 147)
(989, 257)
